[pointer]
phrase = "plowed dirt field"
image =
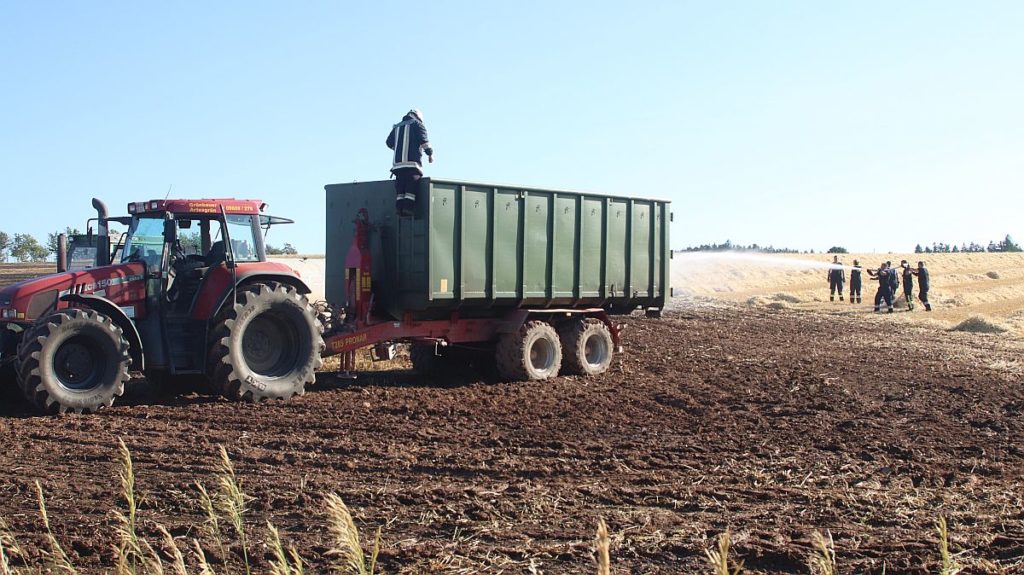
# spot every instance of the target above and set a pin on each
(771, 424)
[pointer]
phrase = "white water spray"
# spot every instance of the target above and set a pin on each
(695, 272)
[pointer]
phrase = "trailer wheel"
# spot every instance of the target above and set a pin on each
(266, 346)
(425, 360)
(532, 353)
(587, 347)
(73, 361)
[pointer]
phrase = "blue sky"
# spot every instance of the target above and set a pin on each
(871, 125)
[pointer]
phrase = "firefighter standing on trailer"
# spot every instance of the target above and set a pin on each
(408, 139)
(836, 279)
(855, 282)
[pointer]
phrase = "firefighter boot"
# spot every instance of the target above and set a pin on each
(840, 297)
(927, 307)
(831, 298)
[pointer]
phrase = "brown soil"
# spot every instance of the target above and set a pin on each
(770, 424)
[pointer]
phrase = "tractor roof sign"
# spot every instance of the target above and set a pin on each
(201, 206)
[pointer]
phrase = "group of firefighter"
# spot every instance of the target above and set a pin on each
(888, 278)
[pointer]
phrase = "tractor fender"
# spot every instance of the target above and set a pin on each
(120, 319)
(216, 289)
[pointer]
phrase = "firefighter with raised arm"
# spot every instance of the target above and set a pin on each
(409, 141)
(884, 289)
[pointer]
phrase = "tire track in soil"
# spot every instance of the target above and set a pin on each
(771, 424)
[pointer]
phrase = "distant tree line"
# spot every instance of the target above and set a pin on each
(22, 248)
(26, 248)
(287, 250)
(1006, 245)
(728, 246)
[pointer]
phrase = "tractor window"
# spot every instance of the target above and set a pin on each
(243, 244)
(145, 242)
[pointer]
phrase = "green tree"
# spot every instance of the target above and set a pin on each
(289, 249)
(26, 248)
(272, 251)
(51, 238)
(838, 250)
(918, 249)
(5, 243)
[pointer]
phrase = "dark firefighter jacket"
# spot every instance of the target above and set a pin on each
(408, 139)
(908, 280)
(922, 279)
(836, 274)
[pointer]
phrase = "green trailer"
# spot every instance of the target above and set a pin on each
(478, 263)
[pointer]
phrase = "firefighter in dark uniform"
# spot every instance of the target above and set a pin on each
(894, 280)
(923, 284)
(908, 284)
(855, 282)
(884, 290)
(408, 139)
(836, 278)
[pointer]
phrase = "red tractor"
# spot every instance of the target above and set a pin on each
(192, 296)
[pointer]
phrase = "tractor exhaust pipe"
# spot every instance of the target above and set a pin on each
(62, 253)
(102, 234)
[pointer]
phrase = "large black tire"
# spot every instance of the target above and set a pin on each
(75, 360)
(531, 354)
(587, 347)
(426, 361)
(266, 346)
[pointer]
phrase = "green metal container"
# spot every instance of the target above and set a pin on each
(482, 249)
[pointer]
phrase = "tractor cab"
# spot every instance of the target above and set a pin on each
(194, 252)
(183, 242)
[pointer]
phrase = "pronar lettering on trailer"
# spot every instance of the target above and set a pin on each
(100, 285)
(350, 340)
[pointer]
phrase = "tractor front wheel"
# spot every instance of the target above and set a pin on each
(73, 361)
(267, 345)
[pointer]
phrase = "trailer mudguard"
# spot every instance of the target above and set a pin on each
(120, 319)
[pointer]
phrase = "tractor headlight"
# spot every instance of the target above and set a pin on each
(8, 313)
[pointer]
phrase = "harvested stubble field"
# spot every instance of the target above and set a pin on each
(771, 424)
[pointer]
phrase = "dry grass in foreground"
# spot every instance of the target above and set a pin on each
(223, 541)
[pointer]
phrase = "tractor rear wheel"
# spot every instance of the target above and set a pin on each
(532, 353)
(75, 360)
(587, 347)
(267, 345)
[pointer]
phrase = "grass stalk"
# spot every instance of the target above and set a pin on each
(8, 548)
(129, 550)
(204, 564)
(58, 559)
(602, 545)
(949, 565)
(279, 565)
(177, 559)
(347, 550)
(823, 560)
(233, 501)
(718, 559)
(210, 528)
